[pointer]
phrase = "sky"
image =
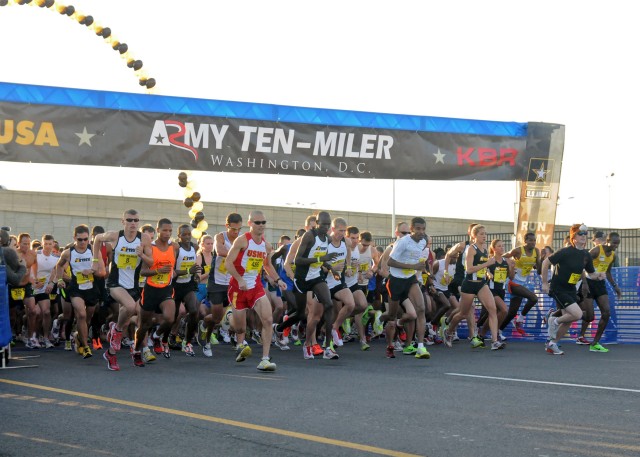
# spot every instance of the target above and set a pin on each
(569, 63)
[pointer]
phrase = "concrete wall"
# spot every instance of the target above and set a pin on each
(38, 213)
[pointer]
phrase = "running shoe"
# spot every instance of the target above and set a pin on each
(437, 339)
(157, 345)
(67, 345)
(520, 328)
(137, 359)
(287, 331)
(307, 352)
(225, 335)
(496, 345)
(201, 334)
(581, 340)
(429, 340)
(214, 339)
(127, 342)
(266, 365)
(243, 352)
(552, 348)
(206, 350)
(335, 336)
(316, 349)
(281, 345)
(553, 327)
(255, 336)
(297, 343)
(329, 353)
(389, 353)
(477, 342)
(95, 342)
(397, 346)
(188, 349)
(279, 336)
(346, 326)
(48, 344)
(364, 346)
(455, 337)
(365, 315)
(147, 355)
(597, 347)
(409, 350)
(35, 344)
(55, 329)
(166, 351)
(112, 361)
(422, 353)
(501, 337)
(402, 335)
(448, 339)
(377, 324)
(545, 319)
(294, 333)
(114, 337)
(443, 327)
(86, 352)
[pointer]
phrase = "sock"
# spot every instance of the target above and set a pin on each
(420, 345)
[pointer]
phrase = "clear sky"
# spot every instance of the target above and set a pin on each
(570, 62)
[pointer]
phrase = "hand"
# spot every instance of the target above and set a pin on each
(282, 284)
(87, 271)
(329, 257)
(195, 269)
(49, 288)
(139, 250)
(242, 284)
(164, 269)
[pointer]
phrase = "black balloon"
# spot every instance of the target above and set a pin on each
(70, 10)
(182, 183)
(194, 224)
(137, 65)
(150, 83)
(196, 196)
(106, 32)
(88, 20)
(199, 216)
(49, 3)
(124, 47)
(182, 176)
(4, 2)
(188, 202)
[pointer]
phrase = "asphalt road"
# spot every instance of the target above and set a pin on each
(462, 402)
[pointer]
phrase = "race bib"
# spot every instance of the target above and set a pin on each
(187, 266)
(223, 266)
(526, 270)
(481, 274)
(602, 266)
(425, 278)
(254, 265)
(82, 278)
(317, 255)
(161, 278)
(575, 277)
(52, 296)
(207, 269)
(363, 267)
(127, 261)
(500, 275)
(18, 294)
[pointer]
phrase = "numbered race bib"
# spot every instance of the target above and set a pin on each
(207, 269)
(161, 278)
(575, 277)
(52, 296)
(18, 294)
(481, 274)
(363, 267)
(82, 278)
(500, 275)
(254, 265)
(602, 266)
(317, 255)
(187, 266)
(526, 269)
(293, 267)
(127, 261)
(223, 266)
(425, 277)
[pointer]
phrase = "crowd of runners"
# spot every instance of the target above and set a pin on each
(157, 292)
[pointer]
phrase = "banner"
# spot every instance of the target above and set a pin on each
(45, 133)
(539, 188)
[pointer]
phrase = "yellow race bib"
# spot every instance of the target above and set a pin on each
(317, 255)
(187, 266)
(207, 269)
(129, 261)
(223, 266)
(500, 275)
(526, 269)
(161, 278)
(481, 274)
(254, 265)
(18, 294)
(575, 277)
(84, 279)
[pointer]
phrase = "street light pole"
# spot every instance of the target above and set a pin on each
(608, 178)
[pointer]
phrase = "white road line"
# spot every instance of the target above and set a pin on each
(532, 381)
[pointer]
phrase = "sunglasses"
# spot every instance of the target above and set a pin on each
(405, 233)
(582, 233)
(82, 239)
(132, 220)
(260, 222)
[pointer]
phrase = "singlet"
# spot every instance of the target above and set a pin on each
(206, 268)
(438, 280)
(280, 266)
(250, 261)
(160, 259)
(78, 262)
(365, 264)
(500, 272)
(185, 260)
(352, 280)
(479, 258)
(220, 274)
(126, 264)
(600, 263)
(525, 264)
(406, 250)
(338, 263)
(46, 264)
(424, 258)
(317, 250)
(458, 276)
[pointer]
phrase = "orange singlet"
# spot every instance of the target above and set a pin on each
(160, 259)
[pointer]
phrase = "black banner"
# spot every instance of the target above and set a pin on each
(83, 136)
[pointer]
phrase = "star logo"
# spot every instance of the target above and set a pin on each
(541, 173)
(439, 156)
(85, 137)
(159, 139)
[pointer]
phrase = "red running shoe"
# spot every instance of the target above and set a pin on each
(317, 350)
(157, 345)
(390, 354)
(112, 361)
(520, 329)
(137, 359)
(114, 337)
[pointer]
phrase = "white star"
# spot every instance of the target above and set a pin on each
(439, 156)
(541, 173)
(85, 137)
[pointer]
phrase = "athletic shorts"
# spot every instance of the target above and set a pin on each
(596, 288)
(303, 286)
(100, 285)
(152, 297)
(398, 288)
(133, 293)
(446, 293)
(564, 297)
(181, 290)
(90, 296)
(218, 294)
(245, 299)
(201, 294)
(18, 294)
(336, 289)
(498, 293)
(472, 287)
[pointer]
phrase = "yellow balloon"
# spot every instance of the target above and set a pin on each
(203, 225)
(192, 185)
(187, 192)
(196, 233)
(192, 213)
(197, 206)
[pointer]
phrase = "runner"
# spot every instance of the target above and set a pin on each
(570, 263)
(498, 274)
(42, 270)
(23, 294)
(245, 260)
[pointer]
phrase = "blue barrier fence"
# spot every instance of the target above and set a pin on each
(5, 325)
(624, 325)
